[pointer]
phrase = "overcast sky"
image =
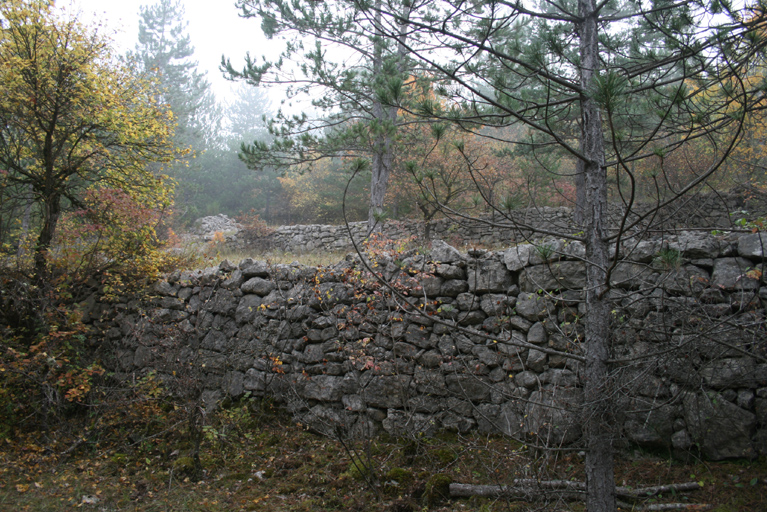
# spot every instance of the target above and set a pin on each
(214, 27)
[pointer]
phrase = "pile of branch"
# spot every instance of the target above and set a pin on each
(529, 489)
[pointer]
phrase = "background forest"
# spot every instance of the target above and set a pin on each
(464, 168)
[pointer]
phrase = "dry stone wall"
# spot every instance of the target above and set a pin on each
(710, 211)
(487, 341)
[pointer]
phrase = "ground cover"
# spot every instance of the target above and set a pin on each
(255, 458)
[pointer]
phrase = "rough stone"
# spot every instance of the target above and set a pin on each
(488, 276)
(729, 373)
(752, 245)
(518, 257)
(695, 244)
(325, 388)
(470, 387)
(252, 268)
(721, 429)
(444, 253)
(733, 274)
(562, 275)
(537, 334)
(258, 285)
(551, 416)
(494, 304)
(532, 306)
(536, 360)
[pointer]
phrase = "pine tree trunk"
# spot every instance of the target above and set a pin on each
(580, 193)
(381, 170)
(386, 115)
(597, 421)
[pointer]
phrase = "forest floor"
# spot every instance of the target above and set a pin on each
(255, 458)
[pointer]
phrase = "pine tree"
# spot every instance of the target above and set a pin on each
(352, 87)
(165, 51)
(614, 85)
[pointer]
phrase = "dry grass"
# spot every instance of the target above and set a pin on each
(311, 259)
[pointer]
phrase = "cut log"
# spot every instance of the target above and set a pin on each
(530, 487)
(696, 507)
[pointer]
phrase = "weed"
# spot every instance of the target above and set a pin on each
(545, 252)
(669, 259)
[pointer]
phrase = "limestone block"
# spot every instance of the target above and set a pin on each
(494, 304)
(696, 244)
(729, 373)
(467, 302)
(451, 272)
(469, 387)
(537, 334)
(688, 279)
(325, 388)
(456, 423)
(561, 275)
(444, 253)
(215, 340)
(552, 415)
(488, 276)
(721, 429)
(752, 245)
(400, 423)
(536, 360)
(518, 257)
(251, 268)
(733, 274)
(532, 306)
(258, 285)
(386, 391)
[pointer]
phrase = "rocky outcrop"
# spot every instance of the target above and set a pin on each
(487, 340)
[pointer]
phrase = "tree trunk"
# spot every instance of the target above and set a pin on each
(386, 116)
(580, 193)
(51, 212)
(22, 248)
(536, 489)
(381, 170)
(597, 408)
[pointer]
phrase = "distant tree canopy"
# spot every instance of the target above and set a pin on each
(165, 51)
(71, 120)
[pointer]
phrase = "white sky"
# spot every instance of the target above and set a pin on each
(214, 27)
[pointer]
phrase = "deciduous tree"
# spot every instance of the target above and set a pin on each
(71, 118)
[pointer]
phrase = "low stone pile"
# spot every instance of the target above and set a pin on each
(485, 340)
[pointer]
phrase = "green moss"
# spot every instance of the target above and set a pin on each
(184, 466)
(396, 480)
(445, 455)
(357, 470)
(399, 475)
(437, 490)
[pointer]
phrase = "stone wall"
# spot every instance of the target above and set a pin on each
(486, 340)
(710, 211)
